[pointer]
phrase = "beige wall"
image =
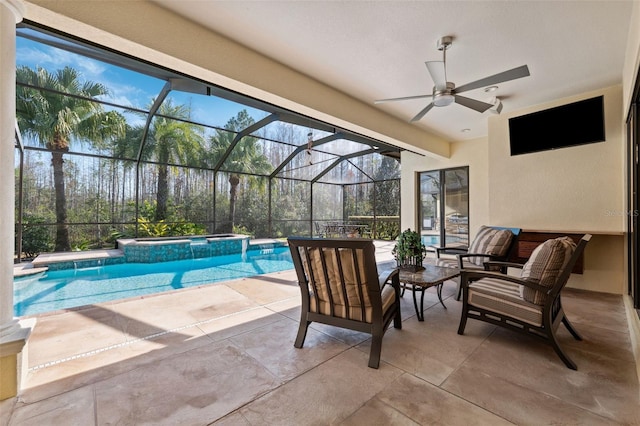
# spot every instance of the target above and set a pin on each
(572, 189)
(579, 188)
(471, 153)
(632, 57)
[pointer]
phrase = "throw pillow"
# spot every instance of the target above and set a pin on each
(544, 266)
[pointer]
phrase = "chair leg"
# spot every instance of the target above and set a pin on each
(563, 356)
(397, 319)
(302, 333)
(463, 321)
(376, 348)
(572, 330)
(463, 316)
(459, 291)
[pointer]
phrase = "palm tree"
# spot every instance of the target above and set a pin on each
(55, 120)
(244, 157)
(172, 141)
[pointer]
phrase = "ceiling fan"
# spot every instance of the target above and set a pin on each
(445, 92)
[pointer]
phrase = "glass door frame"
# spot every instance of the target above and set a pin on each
(633, 204)
(442, 203)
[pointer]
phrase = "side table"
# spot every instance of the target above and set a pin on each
(420, 281)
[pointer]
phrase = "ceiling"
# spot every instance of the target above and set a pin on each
(377, 49)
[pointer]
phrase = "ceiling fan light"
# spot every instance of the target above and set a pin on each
(443, 100)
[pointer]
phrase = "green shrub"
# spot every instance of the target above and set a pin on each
(387, 230)
(242, 230)
(35, 237)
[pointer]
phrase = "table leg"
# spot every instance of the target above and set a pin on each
(439, 289)
(419, 311)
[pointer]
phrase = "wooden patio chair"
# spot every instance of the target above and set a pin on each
(492, 243)
(340, 286)
(531, 303)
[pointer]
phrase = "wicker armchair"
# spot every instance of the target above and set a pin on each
(492, 243)
(531, 303)
(340, 286)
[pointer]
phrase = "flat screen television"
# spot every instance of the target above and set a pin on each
(573, 124)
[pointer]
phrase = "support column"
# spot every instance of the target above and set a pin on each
(13, 333)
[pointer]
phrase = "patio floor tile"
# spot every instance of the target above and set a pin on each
(224, 354)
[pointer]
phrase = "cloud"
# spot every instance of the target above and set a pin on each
(122, 92)
(50, 58)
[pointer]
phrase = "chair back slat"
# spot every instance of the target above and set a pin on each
(310, 277)
(342, 285)
(327, 282)
(358, 283)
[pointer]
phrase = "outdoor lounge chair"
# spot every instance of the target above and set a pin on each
(531, 303)
(492, 243)
(340, 286)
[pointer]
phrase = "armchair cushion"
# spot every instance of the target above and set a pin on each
(503, 297)
(388, 298)
(349, 273)
(545, 265)
(490, 241)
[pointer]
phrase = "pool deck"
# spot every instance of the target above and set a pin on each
(223, 354)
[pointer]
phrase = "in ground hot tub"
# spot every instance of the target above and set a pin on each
(165, 249)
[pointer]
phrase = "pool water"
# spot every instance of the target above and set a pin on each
(430, 240)
(70, 288)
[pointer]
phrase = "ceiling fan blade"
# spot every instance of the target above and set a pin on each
(513, 74)
(405, 98)
(438, 74)
(422, 113)
(472, 103)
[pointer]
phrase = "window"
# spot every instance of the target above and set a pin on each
(444, 207)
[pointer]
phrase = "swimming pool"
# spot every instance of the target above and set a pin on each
(434, 240)
(430, 240)
(54, 290)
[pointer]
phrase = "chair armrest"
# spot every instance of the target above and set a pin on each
(467, 275)
(501, 265)
(490, 256)
(389, 276)
(462, 256)
(448, 250)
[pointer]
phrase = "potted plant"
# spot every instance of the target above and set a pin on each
(409, 251)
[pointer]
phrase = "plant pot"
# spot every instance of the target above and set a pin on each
(413, 264)
(412, 268)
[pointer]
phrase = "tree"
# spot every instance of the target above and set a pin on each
(55, 119)
(244, 157)
(387, 187)
(172, 141)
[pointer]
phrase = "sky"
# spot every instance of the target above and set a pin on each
(132, 89)
(127, 88)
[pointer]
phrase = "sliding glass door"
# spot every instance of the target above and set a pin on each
(444, 207)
